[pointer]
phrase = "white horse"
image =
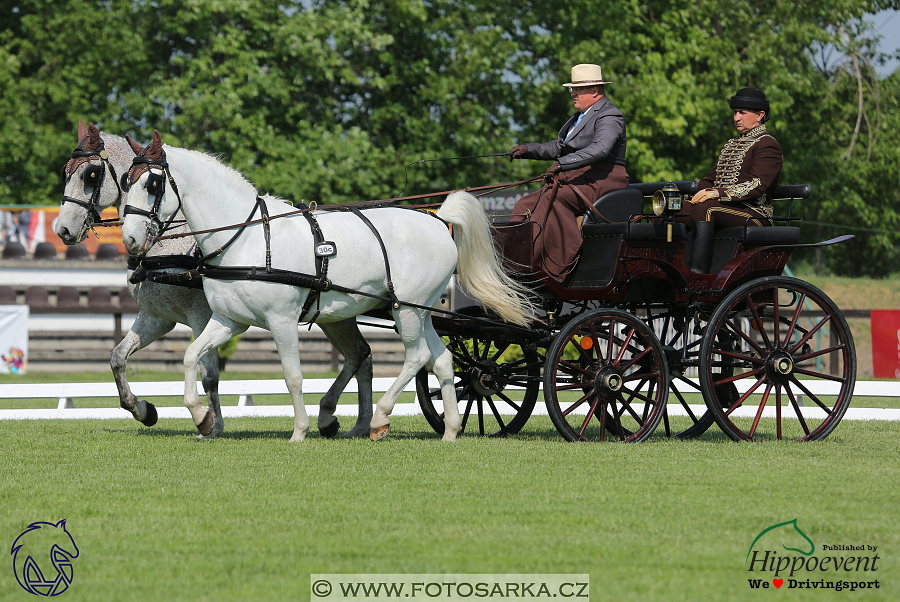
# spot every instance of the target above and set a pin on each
(420, 252)
(92, 185)
(164, 305)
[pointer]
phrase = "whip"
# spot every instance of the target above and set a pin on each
(406, 169)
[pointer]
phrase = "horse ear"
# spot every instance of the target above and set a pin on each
(155, 150)
(137, 148)
(82, 131)
(95, 142)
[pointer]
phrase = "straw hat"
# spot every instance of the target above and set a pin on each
(586, 75)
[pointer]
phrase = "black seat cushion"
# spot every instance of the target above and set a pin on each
(684, 187)
(655, 231)
(617, 206)
(761, 234)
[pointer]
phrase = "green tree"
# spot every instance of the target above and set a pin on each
(328, 100)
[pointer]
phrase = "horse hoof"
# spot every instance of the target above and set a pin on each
(377, 434)
(150, 416)
(330, 431)
(206, 427)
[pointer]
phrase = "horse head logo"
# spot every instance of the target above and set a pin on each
(42, 558)
(786, 533)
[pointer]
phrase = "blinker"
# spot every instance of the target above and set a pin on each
(92, 173)
(155, 183)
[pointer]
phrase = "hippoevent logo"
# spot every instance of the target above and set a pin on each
(784, 556)
(42, 558)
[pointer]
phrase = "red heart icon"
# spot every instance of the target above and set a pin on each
(778, 582)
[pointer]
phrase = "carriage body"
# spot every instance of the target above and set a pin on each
(741, 336)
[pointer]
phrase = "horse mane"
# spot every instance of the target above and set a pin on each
(229, 174)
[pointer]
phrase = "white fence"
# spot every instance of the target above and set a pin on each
(67, 395)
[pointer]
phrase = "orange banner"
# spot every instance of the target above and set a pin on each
(39, 226)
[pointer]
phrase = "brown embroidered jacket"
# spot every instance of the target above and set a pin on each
(748, 170)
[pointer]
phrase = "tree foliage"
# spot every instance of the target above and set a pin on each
(329, 100)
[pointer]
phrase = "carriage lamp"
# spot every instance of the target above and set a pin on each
(667, 200)
(666, 203)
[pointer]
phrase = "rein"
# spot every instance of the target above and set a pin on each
(361, 205)
(317, 283)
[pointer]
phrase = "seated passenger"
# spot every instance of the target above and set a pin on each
(741, 183)
(590, 161)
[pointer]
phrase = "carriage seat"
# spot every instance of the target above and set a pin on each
(617, 206)
(770, 234)
(727, 240)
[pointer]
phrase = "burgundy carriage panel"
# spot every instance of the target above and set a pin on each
(515, 242)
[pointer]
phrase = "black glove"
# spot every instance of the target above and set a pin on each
(518, 152)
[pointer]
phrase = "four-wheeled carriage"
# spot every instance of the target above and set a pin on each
(632, 325)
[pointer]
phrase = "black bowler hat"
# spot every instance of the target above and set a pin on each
(751, 99)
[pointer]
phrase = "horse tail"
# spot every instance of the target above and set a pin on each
(479, 268)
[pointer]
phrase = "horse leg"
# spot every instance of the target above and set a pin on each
(345, 336)
(209, 377)
(144, 331)
(217, 331)
(443, 370)
(288, 345)
(410, 325)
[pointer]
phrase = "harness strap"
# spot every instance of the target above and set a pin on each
(231, 240)
(395, 303)
(311, 282)
(149, 268)
(267, 234)
(321, 268)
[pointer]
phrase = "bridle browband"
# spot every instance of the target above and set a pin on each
(94, 174)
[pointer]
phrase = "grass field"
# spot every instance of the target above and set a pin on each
(159, 516)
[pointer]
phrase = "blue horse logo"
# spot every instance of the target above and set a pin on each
(42, 558)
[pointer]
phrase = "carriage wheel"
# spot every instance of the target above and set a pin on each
(487, 378)
(606, 377)
(681, 353)
(767, 330)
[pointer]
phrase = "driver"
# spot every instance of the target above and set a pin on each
(589, 154)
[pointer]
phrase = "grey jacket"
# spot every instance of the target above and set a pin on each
(599, 138)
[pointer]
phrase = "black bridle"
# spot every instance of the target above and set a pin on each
(156, 185)
(94, 175)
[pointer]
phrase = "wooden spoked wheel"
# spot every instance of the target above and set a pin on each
(793, 361)
(497, 385)
(681, 344)
(606, 378)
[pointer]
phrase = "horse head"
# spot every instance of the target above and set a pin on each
(92, 182)
(149, 206)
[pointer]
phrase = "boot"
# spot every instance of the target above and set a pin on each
(701, 251)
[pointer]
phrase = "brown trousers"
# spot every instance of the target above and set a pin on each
(557, 240)
(724, 215)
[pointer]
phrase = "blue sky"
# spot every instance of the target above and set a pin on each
(887, 25)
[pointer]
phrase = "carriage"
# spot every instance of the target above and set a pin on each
(632, 335)
(630, 328)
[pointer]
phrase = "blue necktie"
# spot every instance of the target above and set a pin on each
(580, 117)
